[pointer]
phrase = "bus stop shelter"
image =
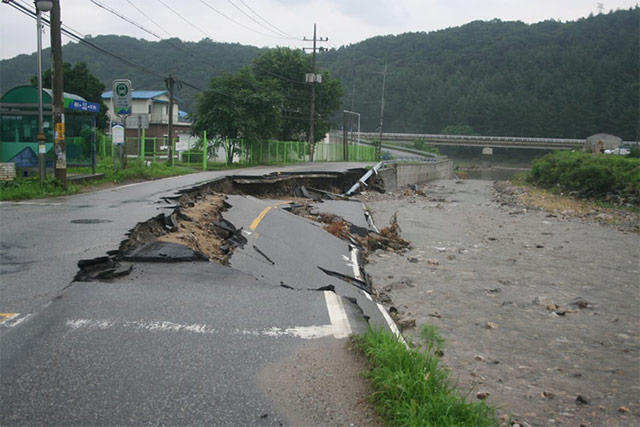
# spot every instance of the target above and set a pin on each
(19, 128)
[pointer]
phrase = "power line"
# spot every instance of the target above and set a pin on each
(124, 18)
(148, 17)
(169, 42)
(185, 19)
(265, 21)
(132, 22)
(238, 23)
(71, 34)
(258, 22)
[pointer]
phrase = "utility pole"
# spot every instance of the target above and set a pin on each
(170, 83)
(41, 7)
(379, 145)
(313, 78)
(59, 147)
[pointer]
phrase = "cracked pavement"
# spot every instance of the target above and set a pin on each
(181, 342)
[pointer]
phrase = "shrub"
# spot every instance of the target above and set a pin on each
(589, 176)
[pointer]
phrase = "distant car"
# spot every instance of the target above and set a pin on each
(620, 151)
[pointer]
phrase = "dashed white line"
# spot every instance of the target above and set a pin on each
(303, 332)
(339, 319)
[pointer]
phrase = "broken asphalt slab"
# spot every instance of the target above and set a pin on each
(295, 248)
(157, 251)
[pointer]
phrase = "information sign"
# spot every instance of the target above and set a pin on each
(121, 97)
(117, 134)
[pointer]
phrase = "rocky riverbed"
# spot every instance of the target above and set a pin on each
(540, 309)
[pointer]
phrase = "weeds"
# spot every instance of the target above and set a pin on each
(432, 338)
(31, 188)
(411, 389)
(610, 178)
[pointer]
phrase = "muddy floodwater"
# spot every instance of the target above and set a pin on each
(540, 311)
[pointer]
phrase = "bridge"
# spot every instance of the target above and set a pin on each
(478, 141)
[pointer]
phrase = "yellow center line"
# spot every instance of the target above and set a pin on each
(265, 211)
(7, 316)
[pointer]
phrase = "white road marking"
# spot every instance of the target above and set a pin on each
(339, 319)
(383, 311)
(31, 203)
(391, 323)
(354, 263)
(11, 320)
(303, 332)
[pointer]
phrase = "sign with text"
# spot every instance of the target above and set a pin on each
(117, 134)
(84, 106)
(121, 97)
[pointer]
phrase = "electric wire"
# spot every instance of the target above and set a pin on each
(258, 22)
(72, 35)
(185, 19)
(79, 37)
(267, 22)
(124, 18)
(169, 42)
(149, 18)
(239, 23)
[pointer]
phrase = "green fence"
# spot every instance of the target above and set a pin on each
(291, 152)
(248, 152)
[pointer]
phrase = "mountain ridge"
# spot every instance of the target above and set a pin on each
(549, 79)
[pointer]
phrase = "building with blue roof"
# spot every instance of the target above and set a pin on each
(150, 111)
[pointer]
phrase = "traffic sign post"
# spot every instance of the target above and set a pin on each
(121, 97)
(121, 100)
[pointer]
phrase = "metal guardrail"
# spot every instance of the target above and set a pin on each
(426, 137)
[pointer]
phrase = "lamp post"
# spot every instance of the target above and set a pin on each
(41, 6)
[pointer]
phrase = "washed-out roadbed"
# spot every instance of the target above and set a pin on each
(539, 310)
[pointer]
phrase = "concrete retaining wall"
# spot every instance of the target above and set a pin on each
(400, 175)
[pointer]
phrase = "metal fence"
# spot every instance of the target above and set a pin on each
(248, 152)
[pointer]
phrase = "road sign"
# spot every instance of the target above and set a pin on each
(84, 106)
(117, 134)
(121, 97)
(313, 78)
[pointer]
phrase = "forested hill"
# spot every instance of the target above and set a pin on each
(500, 78)
(549, 79)
(194, 62)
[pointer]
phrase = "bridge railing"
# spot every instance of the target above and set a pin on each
(475, 138)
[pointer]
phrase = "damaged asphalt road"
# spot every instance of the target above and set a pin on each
(143, 340)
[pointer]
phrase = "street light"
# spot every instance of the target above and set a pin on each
(41, 6)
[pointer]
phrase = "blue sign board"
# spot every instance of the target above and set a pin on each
(84, 106)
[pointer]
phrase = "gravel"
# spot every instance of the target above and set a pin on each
(540, 313)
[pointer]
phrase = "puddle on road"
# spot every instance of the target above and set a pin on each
(89, 221)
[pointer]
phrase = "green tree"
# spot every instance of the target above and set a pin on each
(462, 129)
(286, 68)
(236, 108)
(79, 80)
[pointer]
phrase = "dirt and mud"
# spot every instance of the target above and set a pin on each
(540, 309)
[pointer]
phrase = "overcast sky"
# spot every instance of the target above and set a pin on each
(282, 22)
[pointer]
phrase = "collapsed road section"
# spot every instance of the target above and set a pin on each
(217, 285)
(294, 230)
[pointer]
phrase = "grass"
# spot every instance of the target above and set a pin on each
(411, 389)
(30, 187)
(555, 200)
(588, 176)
